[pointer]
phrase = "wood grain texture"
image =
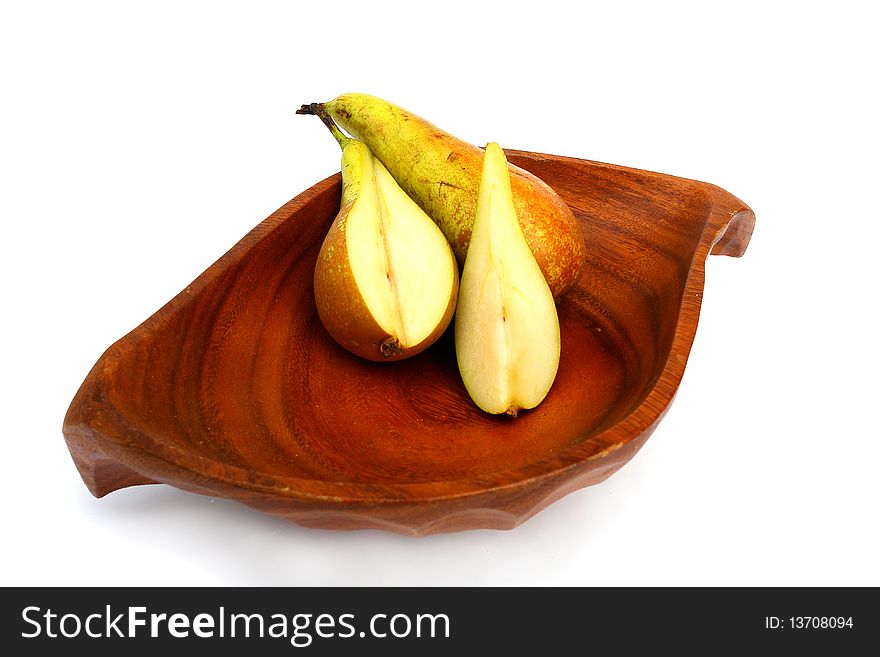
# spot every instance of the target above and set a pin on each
(234, 388)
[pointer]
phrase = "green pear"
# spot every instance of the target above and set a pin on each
(442, 174)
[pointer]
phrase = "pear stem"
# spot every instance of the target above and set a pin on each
(317, 109)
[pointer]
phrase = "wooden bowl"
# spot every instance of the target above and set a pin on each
(234, 388)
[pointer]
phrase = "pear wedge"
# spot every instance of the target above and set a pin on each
(506, 327)
(442, 174)
(386, 281)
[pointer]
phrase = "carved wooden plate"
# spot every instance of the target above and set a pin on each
(234, 389)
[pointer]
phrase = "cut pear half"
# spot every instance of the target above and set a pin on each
(386, 281)
(506, 328)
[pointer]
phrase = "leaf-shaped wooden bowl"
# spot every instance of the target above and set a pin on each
(234, 388)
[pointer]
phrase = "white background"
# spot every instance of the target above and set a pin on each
(139, 142)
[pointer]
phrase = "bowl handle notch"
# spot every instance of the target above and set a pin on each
(733, 222)
(101, 473)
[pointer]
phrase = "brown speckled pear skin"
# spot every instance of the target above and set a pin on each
(234, 389)
(442, 174)
(344, 312)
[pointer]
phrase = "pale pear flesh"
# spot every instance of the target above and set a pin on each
(401, 261)
(506, 327)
